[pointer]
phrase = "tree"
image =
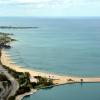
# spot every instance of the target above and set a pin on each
(5, 40)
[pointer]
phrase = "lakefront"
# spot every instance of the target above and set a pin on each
(25, 82)
(58, 60)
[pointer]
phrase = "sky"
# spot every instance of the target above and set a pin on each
(50, 8)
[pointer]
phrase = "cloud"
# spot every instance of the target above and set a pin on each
(37, 2)
(49, 7)
(46, 3)
(40, 2)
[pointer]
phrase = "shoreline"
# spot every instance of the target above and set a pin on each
(57, 79)
(20, 97)
(6, 60)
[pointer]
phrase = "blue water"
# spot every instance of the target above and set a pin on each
(68, 92)
(66, 46)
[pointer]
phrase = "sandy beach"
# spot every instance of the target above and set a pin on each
(58, 79)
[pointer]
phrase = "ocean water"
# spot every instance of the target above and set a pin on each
(65, 46)
(69, 46)
(68, 92)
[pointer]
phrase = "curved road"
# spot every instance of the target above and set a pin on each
(14, 84)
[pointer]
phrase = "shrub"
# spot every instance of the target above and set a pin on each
(12, 98)
(23, 90)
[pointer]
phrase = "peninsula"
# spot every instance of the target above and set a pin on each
(17, 27)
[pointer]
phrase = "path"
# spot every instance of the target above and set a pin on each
(14, 84)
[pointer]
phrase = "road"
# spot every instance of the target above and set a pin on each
(14, 84)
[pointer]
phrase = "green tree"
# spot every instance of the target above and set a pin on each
(5, 39)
